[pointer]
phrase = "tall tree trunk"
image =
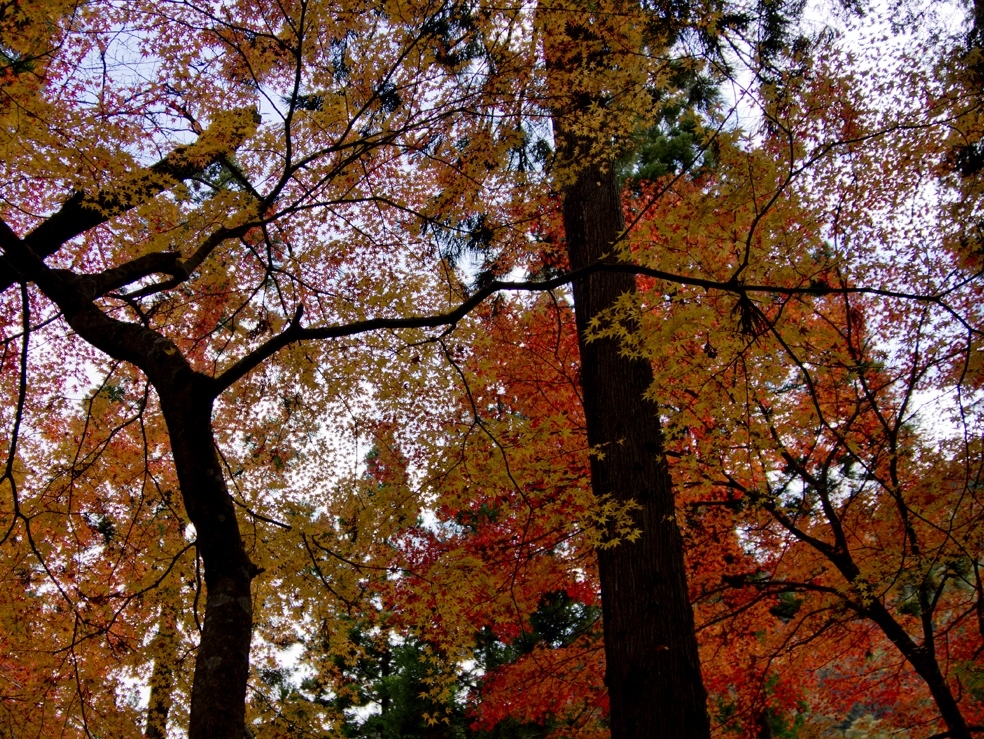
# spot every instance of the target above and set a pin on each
(218, 693)
(653, 671)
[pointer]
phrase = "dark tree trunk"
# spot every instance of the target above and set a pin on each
(922, 657)
(653, 673)
(218, 694)
(929, 670)
(653, 670)
(218, 699)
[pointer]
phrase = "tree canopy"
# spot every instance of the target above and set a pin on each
(408, 368)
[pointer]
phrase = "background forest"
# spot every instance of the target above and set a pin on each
(445, 368)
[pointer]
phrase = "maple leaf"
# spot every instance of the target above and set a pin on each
(236, 253)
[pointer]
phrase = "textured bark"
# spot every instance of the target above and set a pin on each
(653, 672)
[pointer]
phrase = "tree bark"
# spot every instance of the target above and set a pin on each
(653, 671)
(218, 693)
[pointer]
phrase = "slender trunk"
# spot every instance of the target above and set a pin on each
(926, 666)
(165, 652)
(218, 693)
(921, 657)
(653, 671)
(929, 670)
(218, 697)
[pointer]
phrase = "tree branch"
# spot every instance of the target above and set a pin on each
(166, 262)
(82, 212)
(295, 333)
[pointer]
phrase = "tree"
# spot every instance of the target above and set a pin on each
(179, 271)
(348, 119)
(796, 409)
(260, 234)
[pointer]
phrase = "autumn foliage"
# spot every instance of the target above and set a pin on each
(293, 411)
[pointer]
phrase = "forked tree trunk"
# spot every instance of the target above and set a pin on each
(218, 696)
(922, 657)
(653, 672)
